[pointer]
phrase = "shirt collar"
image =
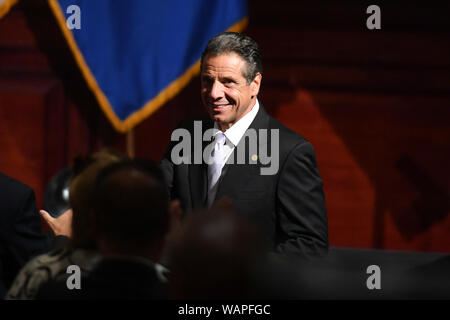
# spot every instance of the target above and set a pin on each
(237, 130)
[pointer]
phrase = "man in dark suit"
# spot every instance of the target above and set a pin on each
(282, 194)
(21, 235)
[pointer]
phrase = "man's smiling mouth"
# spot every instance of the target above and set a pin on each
(220, 107)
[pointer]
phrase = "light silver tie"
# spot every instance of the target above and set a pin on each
(215, 166)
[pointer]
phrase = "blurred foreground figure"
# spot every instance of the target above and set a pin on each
(131, 219)
(220, 255)
(21, 235)
(81, 248)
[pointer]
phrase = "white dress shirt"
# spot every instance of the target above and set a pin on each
(233, 136)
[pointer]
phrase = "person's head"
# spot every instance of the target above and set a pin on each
(231, 74)
(214, 256)
(84, 173)
(130, 212)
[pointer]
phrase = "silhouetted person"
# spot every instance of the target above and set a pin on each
(215, 256)
(21, 234)
(80, 248)
(131, 218)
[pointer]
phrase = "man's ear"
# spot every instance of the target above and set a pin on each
(175, 213)
(256, 83)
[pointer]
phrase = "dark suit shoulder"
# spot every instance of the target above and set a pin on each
(13, 192)
(11, 185)
(289, 137)
(189, 125)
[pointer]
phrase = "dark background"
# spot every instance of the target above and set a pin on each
(374, 103)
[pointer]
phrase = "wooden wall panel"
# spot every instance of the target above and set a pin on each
(375, 104)
(31, 137)
(382, 159)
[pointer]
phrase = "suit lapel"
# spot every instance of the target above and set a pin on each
(242, 172)
(198, 173)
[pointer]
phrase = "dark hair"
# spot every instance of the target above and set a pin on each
(84, 172)
(131, 204)
(244, 46)
(214, 255)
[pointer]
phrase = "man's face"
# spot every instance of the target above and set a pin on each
(225, 92)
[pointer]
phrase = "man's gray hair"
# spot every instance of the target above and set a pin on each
(244, 46)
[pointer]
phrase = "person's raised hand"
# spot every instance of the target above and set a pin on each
(60, 226)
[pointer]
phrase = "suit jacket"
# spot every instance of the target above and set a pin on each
(288, 207)
(21, 235)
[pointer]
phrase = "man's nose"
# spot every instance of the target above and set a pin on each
(216, 90)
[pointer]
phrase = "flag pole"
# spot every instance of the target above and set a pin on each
(130, 143)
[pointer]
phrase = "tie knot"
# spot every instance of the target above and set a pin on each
(220, 138)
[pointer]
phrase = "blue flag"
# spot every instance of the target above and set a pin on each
(137, 54)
